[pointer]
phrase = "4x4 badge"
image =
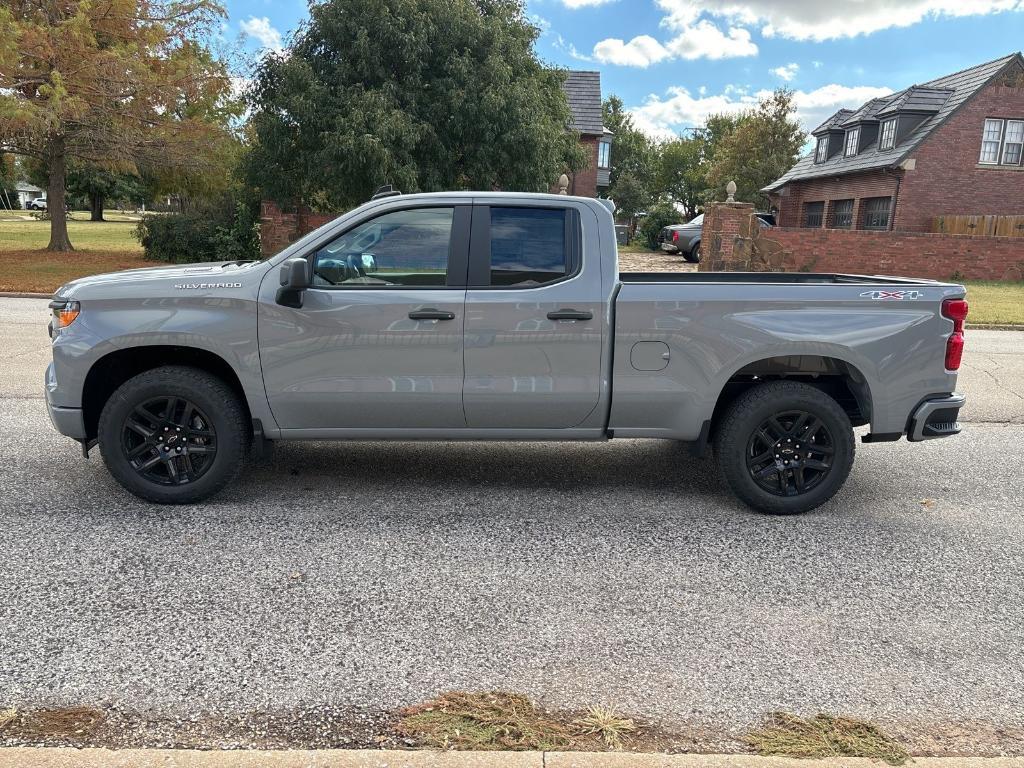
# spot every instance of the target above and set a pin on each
(892, 295)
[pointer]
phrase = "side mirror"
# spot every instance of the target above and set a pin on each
(295, 280)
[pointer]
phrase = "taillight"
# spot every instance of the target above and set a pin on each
(955, 310)
(675, 237)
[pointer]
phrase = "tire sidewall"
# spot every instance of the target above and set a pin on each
(163, 383)
(746, 418)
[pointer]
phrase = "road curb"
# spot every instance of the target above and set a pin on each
(23, 295)
(63, 757)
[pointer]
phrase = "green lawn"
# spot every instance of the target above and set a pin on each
(993, 303)
(20, 232)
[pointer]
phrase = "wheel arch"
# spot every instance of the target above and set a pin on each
(115, 368)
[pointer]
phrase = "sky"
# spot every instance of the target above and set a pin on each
(673, 62)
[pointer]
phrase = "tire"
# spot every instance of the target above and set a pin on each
(188, 455)
(694, 255)
(797, 471)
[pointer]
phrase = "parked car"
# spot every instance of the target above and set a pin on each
(391, 323)
(685, 238)
(37, 204)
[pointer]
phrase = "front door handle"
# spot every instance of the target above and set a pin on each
(570, 314)
(430, 313)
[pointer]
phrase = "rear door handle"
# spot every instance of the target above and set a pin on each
(430, 313)
(570, 314)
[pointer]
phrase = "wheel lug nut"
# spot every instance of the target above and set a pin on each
(167, 448)
(167, 429)
(178, 450)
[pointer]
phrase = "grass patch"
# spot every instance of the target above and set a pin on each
(606, 724)
(70, 724)
(490, 720)
(42, 272)
(26, 233)
(995, 303)
(786, 735)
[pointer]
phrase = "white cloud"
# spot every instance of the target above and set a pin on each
(702, 40)
(262, 30)
(679, 109)
(641, 51)
(817, 20)
(539, 22)
(787, 71)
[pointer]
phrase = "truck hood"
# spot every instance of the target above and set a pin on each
(212, 275)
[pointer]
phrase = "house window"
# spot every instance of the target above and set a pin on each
(876, 212)
(814, 214)
(604, 154)
(888, 138)
(821, 154)
(842, 214)
(1002, 141)
(1013, 142)
(852, 140)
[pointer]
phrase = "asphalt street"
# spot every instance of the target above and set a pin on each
(375, 575)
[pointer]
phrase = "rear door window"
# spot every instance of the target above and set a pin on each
(529, 246)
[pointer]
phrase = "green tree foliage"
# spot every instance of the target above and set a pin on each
(423, 94)
(97, 185)
(682, 172)
(112, 83)
(8, 179)
(763, 145)
(661, 215)
(634, 161)
(221, 229)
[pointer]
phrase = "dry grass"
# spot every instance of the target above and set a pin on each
(489, 720)
(68, 724)
(43, 272)
(786, 735)
(606, 724)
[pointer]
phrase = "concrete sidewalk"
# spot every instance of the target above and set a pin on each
(173, 758)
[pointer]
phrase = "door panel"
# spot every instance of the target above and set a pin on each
(524, 369)
(378, 341)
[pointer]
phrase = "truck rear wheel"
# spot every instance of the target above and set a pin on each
(785, 447)
(173, 435)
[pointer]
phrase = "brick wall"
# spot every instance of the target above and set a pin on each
(278, 228)
(948, 179)
(858, 187)
(584, 183)
(733, 241)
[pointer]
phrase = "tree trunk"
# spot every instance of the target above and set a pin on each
(96, 201)
(56, 166)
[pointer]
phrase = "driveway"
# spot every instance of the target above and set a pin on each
(341, 578)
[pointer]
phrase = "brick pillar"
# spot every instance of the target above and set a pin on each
(725, 225)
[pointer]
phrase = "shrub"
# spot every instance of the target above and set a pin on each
(661, 215)
(226, 230)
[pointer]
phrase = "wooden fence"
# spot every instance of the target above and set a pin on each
(980, 226)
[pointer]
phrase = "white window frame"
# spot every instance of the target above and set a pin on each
(821, 151)
(887, 134)
(854, 135)
(994, 151)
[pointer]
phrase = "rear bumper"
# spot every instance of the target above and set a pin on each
(669, 248)
(936, 418)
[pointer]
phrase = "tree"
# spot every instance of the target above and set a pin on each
(108, 82)
(682, 172)
(763, 146)
(423, 94)
(634, 159)
(98, 184)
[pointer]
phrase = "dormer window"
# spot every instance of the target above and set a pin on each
(887, 139)
(604, 154)
(821, 153)
(852, 142)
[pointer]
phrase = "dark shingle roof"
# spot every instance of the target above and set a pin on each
(833, 122)
(941, 97)
(583, 91)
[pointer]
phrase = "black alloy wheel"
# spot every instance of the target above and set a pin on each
(169, 441)
(790, 453)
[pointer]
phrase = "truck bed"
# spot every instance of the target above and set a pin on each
(768, 278)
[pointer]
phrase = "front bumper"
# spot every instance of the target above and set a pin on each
(936, 418)
(67, 421)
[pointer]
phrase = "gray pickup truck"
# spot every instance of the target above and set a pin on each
(496, 316)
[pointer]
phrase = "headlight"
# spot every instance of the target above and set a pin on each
(64, 313)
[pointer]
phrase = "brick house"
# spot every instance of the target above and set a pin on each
(951, 146)
(583, 92)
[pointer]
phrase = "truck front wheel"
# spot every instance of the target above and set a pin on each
(173, 435)
(785, 447)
